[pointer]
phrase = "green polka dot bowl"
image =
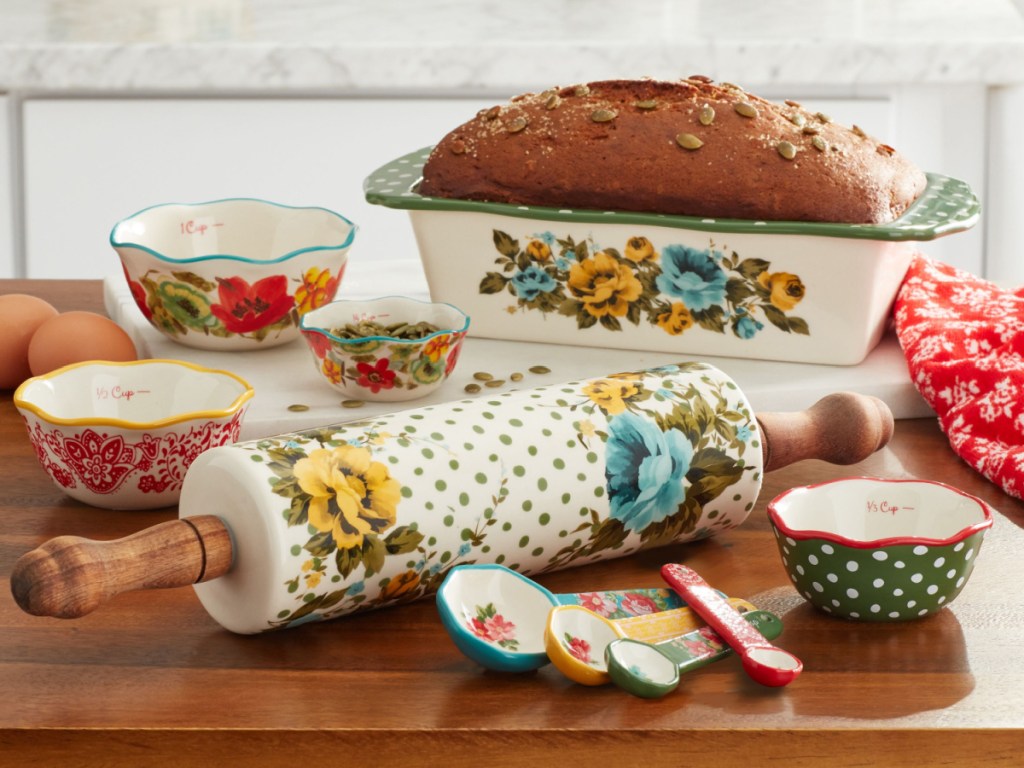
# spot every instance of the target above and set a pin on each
(872, 549)
(387, 349)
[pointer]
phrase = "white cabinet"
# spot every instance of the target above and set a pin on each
(1005, 207)
(7, 245)
(89, 162)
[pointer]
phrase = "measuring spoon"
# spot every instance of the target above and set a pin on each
(496, 616)
(652, 670)
(576, 639)
(762, 661)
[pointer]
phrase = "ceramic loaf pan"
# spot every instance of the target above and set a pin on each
(795, 291)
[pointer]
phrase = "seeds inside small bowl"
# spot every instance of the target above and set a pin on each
(370, 328)
(386, 350)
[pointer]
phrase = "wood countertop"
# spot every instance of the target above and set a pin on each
(150, 679)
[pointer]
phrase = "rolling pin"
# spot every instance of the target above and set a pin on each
(315, 524)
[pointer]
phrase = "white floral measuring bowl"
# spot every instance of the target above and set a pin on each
(796, 291)
(232, 274)
(370, 513)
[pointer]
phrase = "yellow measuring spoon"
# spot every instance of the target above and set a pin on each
(575, 638)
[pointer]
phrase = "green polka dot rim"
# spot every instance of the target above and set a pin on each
(873, 549)
(947, 205)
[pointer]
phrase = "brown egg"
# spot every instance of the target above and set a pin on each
(73, 337)
(20, 316)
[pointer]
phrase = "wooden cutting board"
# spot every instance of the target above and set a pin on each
(285, 376)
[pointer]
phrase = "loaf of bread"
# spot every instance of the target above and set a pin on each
(690, 147)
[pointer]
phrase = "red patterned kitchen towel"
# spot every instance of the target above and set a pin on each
(963, 338)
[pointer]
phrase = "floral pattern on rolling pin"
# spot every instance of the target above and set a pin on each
(376, 512)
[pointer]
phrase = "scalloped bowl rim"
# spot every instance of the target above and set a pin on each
(305, 320)
(806, 534)
(117, 244)
(22, 401)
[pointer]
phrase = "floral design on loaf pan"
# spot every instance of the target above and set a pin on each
(676, 289)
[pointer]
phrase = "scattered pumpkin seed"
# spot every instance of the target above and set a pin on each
(516, 124)
(700, 78)
(745, 108)
(731, 86)
(791, 103)
(647, 104)
(603, 115)
(539, 369)
(689, 141)
(495, 383)
(706, 116)
(472, 388)
(818, 143)
(859, 131)
(786, 149)
(458, 147)
(492, 113)
(581, 90)
(823, 117)
(797, 119)
(885, 149)
(811, 130)
(552, 101)
(352, 403)
(483, 376)
(298, 407)
(517, 376)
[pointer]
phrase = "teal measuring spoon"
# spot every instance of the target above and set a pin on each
(496, 616)
(652, 670)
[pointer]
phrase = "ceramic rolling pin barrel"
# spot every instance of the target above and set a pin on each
(324, 522)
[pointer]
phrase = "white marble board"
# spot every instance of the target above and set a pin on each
(285, 375)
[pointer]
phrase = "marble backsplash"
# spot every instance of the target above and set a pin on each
(440, 46)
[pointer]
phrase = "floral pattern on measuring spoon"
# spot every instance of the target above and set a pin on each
(579, 649)
(490, 625)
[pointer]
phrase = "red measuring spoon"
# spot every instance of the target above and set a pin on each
(764, 662)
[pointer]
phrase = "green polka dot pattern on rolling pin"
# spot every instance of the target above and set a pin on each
(376, 511)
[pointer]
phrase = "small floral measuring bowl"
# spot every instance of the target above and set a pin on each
(879, 549)
(233, 274)
(123, 435)
(386, 350)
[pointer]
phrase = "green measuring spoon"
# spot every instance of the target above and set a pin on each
(651, 670)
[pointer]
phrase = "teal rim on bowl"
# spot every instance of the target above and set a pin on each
(126, 233)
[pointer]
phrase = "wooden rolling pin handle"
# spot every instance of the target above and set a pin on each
(68, 576)
(842, 428)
